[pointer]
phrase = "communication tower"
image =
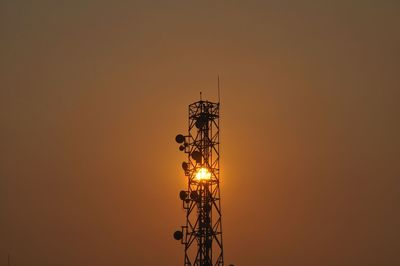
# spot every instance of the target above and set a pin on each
(201, 200)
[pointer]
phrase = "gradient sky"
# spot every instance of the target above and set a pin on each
(92, 94)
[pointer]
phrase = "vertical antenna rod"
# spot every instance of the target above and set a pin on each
(219, 92)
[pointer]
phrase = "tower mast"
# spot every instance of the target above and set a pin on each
(202, 233)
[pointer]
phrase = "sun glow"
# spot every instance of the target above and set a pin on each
(203, 174)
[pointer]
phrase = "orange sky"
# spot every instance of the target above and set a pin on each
(92, 94)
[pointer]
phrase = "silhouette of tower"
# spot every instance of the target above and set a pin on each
(202, 233)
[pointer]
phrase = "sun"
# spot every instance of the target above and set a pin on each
(203, 174)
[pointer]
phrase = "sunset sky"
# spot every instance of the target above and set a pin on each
(92, 94)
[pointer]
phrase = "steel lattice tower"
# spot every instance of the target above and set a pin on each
(202, 234)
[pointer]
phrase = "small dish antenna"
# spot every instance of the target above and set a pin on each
(196, 155)
(180, 138)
